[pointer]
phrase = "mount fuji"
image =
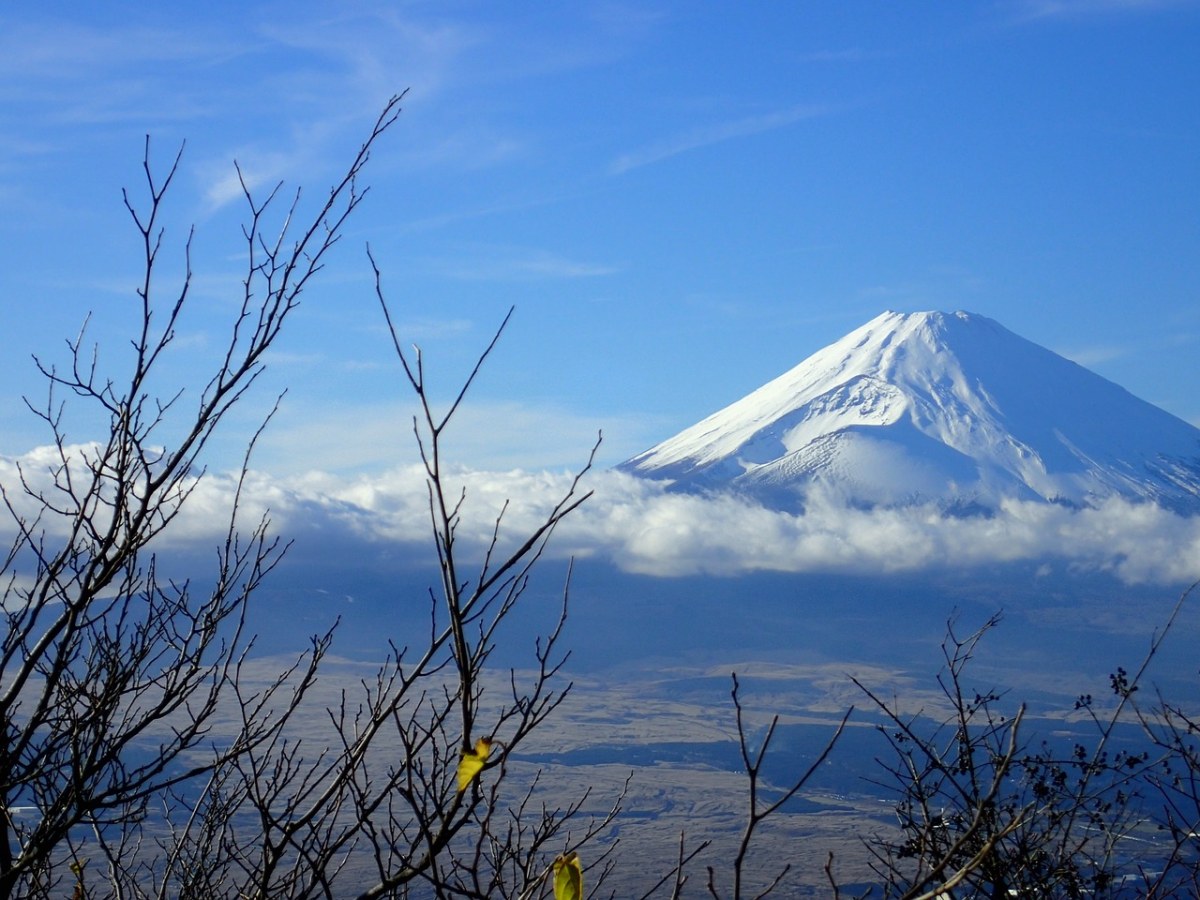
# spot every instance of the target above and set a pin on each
(949, 408)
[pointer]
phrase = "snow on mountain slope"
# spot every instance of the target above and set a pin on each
(938, 406)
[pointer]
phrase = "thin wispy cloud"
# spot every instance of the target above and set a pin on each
(488, 435)
(64, 75)
(256, 171)
(320, 73)
(522, 265)
(1096, 354)
(428, 328)
(714, 134)
(58, 49)
(377, 50)
(467, 147)
(848, 54)
(82, 82)
(525, 201)
(1077, 9)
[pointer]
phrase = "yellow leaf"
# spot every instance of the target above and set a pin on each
(568, 877)
(472, 763)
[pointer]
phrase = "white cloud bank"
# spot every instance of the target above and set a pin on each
(641, 527)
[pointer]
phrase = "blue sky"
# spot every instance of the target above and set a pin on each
(682, 200)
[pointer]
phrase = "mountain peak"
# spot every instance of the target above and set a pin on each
(936, 406)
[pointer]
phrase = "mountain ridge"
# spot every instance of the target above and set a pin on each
(934, 406)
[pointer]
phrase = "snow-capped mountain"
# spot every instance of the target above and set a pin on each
(931, 406)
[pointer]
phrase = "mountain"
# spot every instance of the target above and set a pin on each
(932, 406)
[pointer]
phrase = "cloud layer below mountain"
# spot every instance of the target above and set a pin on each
(643, 528)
